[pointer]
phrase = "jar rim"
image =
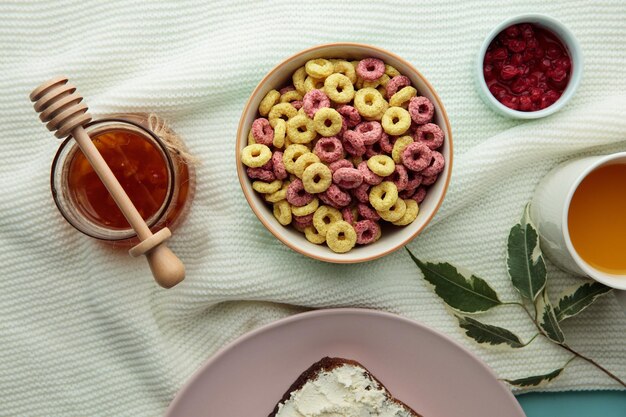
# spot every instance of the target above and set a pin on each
(115, 234)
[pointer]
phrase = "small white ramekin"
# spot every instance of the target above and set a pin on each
(570, 43)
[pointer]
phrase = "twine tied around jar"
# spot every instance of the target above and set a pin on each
(170, 139)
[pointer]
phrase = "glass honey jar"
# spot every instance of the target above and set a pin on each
(148, 160)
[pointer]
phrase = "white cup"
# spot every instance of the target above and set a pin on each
(549, 212)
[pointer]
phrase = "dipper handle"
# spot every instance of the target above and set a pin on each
(64, 111)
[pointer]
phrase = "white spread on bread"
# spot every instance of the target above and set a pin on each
(345, 391)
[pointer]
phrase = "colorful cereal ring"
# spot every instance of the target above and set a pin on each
(421, 110)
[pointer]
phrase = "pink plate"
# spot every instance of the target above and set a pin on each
(425, 369)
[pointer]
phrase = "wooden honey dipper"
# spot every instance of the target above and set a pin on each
(64, 111)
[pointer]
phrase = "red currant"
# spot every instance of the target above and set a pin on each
(508, 72)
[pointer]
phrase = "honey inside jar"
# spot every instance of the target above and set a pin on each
(140, 167)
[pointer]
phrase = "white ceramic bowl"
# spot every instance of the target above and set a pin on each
(392, 238)
(570, 43)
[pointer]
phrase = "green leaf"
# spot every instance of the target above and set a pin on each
(579, 298)
(486, 333)
(535, 381)
(467, 295)
(525, 263)
(547, 319)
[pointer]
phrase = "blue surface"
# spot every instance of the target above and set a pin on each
(574, 404)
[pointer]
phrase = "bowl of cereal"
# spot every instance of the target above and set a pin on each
(344, 152)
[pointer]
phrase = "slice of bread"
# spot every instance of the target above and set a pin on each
(339, 387)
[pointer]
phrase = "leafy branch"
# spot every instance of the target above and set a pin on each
(468, 294)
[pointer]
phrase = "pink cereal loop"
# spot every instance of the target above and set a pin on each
(313, 101)
(396, 83)
(416, 156)
(370, 69)
(348, 178)
(371, 131)
(337, 196)
(430, 180)
(279, 166)
(286, 89)
(262, 132)
(296, 195)
(429, 134)
(367, 212)
(436, 165)
(367, 231)
(373, 150)
(261, 174)
(368, 176)
(353, 143)
(350, 114)
(342, 163)
(387, 142)
(419, 195)
(344, 128)
(407, 193)
(421, 110)
(326, 200)
(297, 104)
(347, 215)
(361, 193)
(400, 177)
(328, 149)
(304, 221)
(414, 180)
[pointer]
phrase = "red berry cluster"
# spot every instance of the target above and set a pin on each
(526, 67)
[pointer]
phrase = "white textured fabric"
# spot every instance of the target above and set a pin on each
(85, 331)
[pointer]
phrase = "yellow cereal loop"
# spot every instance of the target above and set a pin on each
(339, 88)
(391, 71)
(341, 237)
(291, 155)
(282, 212)
(370, 84)
(355, 64)
(382, 90)
(276, 196)
(268, 102)
(313, 236)
(298, 78)
(316, 178)
(311, 83)
(281, 111)
(306, 209)
(396, 121)
(290, 96)
(319, 68)
(324, 217)
(255, 155)
(395, 212)
(327, 121)
(345, 68)
(300, 129)
(304, 162)
(402, 97)
(251, 140)
(383, 195)
(369, 102)
(412, 209)
(398, 148)
(267, 187)
(280, 131)
(384, 79)
(381, 165)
